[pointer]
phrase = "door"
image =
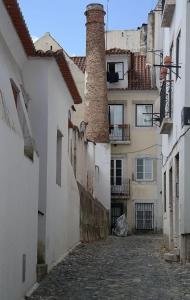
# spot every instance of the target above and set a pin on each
(116, 176)
(171, 206)
(116, 120)
(116, 212)
(144, 216)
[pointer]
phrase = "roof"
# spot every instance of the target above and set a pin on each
(65, 71)
(80, 61)
(115, 51)
(19, 24)
(139, 74)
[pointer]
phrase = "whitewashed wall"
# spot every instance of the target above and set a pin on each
(18, 176)
(102, 162)
(178, 141)
(59, 229)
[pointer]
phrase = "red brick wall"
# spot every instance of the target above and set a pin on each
(96, 108)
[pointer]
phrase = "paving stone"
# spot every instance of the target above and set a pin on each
(129, 268)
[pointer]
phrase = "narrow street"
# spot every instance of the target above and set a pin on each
(119, 268)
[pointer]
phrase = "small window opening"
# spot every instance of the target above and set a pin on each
(59, 157)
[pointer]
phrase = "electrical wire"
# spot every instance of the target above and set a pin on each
(140, 150)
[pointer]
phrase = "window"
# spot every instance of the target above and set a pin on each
(59, 157)
(21, 111)
(15, 92)
(144, 216)
(144, 169)
(165, 192)
(116, 172)
(116, 67)
(178, 54)
(144, 115)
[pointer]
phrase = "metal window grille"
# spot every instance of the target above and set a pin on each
(144, 216)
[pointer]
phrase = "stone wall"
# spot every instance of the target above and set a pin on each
(94, 220)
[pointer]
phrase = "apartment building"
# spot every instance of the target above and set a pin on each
(135, 179)
(174, 122)
(135, 142)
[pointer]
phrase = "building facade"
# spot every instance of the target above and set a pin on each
(19, 174)
(174, 119)
(135, 180)
(135, 143)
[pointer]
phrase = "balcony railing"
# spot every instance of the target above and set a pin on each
(120, 132)
(166, 103)
(168, 7)
(121, 190)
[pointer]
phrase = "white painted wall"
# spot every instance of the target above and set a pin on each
(18, 176)
(59, 229)
(124, 39)
(18, 215)
(102, 161)
(175, 142)
(10, 36)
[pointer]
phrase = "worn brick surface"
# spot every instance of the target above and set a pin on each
(94, 218)
(119, 268)
(96, 102)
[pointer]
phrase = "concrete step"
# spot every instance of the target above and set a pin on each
(171, 257)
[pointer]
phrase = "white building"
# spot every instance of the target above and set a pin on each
(19, 161)
(174, 114)
(51, 86)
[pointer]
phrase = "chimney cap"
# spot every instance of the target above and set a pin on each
(94, 6)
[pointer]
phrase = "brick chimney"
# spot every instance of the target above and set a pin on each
(96, 101)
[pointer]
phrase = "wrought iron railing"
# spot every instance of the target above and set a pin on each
(166, 100)
(120, 132)
(121, 190)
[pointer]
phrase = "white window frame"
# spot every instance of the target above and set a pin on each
(119, 68)
(144, 174)
(115, 159)
(136, 113)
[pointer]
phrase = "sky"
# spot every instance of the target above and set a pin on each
(65, 19)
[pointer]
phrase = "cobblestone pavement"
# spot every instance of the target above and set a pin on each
(119, 268)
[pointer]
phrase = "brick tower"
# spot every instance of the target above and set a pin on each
(96, 101)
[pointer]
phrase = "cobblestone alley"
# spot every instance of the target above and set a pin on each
(119, 268)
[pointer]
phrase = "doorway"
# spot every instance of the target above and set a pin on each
(171, 205)
(116, 212)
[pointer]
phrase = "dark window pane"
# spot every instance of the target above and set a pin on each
(118, 164)
(112, 163)
(118, 181)
(118, 173)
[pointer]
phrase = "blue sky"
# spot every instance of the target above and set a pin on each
(65, 19)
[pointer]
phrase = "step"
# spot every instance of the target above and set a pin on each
(171, 257)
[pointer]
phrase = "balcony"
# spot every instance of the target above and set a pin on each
(120, 134)
(166, 100)
(168, 8)
(122, 191)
